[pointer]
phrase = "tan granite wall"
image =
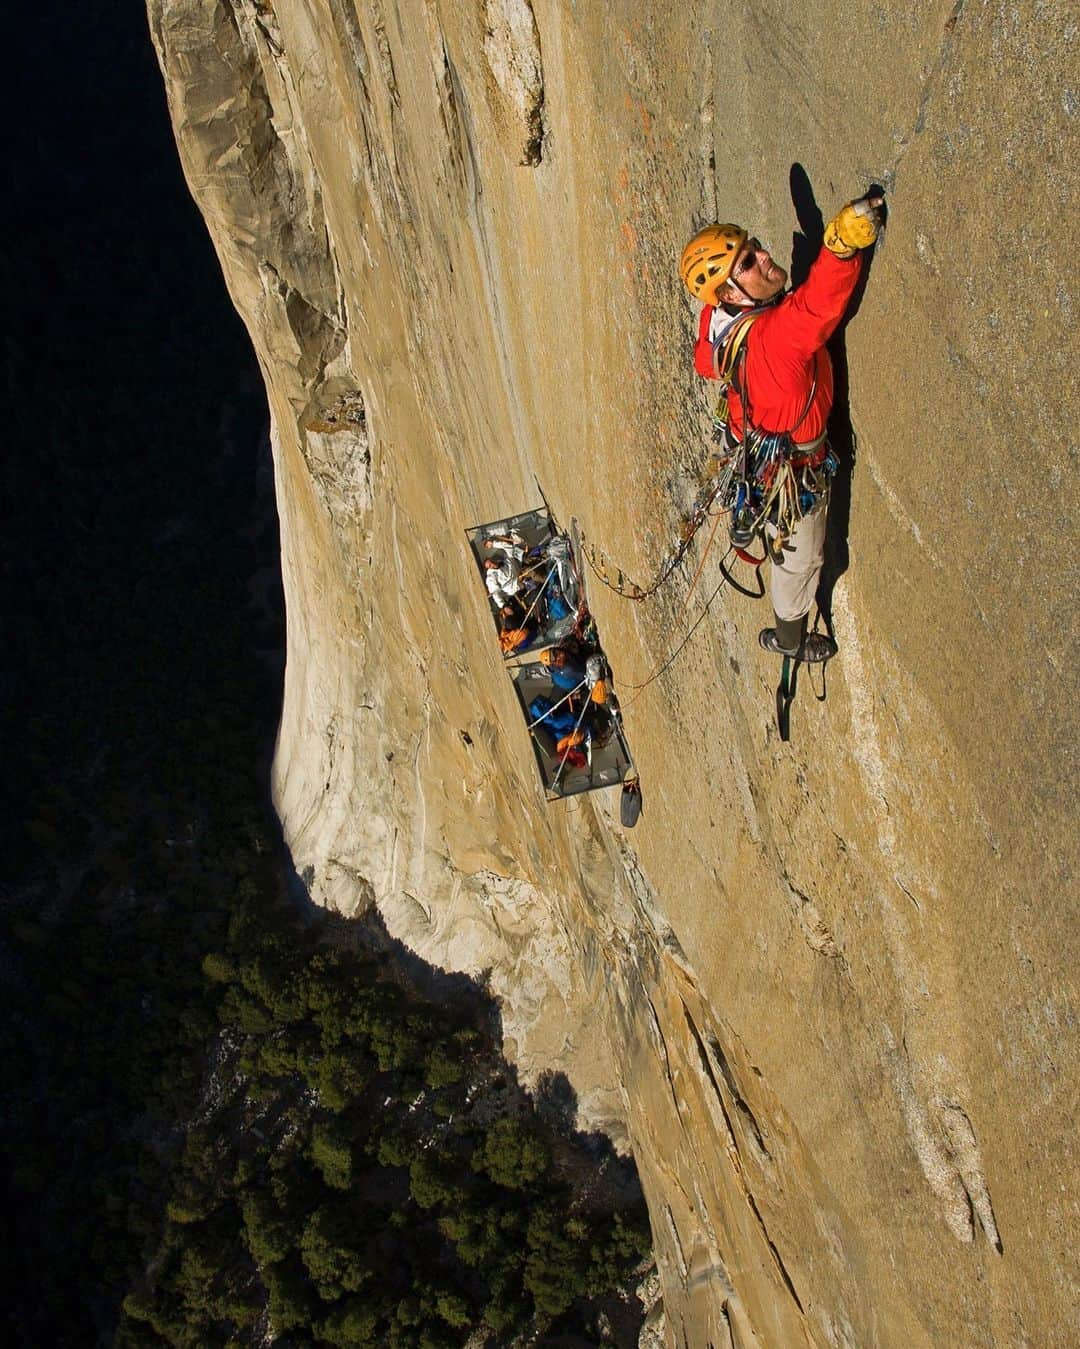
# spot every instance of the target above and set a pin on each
(825, 990)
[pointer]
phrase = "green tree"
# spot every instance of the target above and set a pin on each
(269, 1237)
(289, 1295)
(514, 1153)
(329, 1247)
(443, 1067)
(352, 1324)
(433, 1182)
(453, 1309)
(218, 968)
(557, 1269)
(331, 1151)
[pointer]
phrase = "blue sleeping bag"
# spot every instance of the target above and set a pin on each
(560, 722)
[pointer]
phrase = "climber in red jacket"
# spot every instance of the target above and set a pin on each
(768, 349)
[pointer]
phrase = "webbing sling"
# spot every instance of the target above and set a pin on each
(727, 348)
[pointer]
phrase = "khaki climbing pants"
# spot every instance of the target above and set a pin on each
(794, 584)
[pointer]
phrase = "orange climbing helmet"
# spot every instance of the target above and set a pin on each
(708, 258)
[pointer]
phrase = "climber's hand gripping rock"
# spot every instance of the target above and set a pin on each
(855, 227)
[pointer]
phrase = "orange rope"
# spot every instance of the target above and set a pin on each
(704, 555)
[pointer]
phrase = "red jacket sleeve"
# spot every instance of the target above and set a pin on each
(805, 320)
(703, 361)
(785, 355)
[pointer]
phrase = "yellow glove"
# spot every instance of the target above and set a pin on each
(855, 227)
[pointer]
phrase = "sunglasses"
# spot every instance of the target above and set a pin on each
(744, 263)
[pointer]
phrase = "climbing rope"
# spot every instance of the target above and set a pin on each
(540, 592)
(699, 513)
(571, 738)
(670, 659)
(775, 488)
(565, 698)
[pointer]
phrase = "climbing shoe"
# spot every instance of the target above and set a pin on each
(768, 641)
(814, 649)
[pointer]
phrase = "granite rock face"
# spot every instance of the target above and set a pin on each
(826, 989)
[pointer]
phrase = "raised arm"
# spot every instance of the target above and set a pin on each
(805, 320)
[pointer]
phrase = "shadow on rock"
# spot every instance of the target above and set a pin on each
(553, 1098)
(805, 245)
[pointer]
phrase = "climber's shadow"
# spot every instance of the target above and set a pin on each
(805, 244)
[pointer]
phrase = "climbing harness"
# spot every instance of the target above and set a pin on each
(773, 481)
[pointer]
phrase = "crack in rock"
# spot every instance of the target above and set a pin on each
(741, 1174)
(929, 89)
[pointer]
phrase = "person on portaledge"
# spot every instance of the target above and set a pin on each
(767, 347)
